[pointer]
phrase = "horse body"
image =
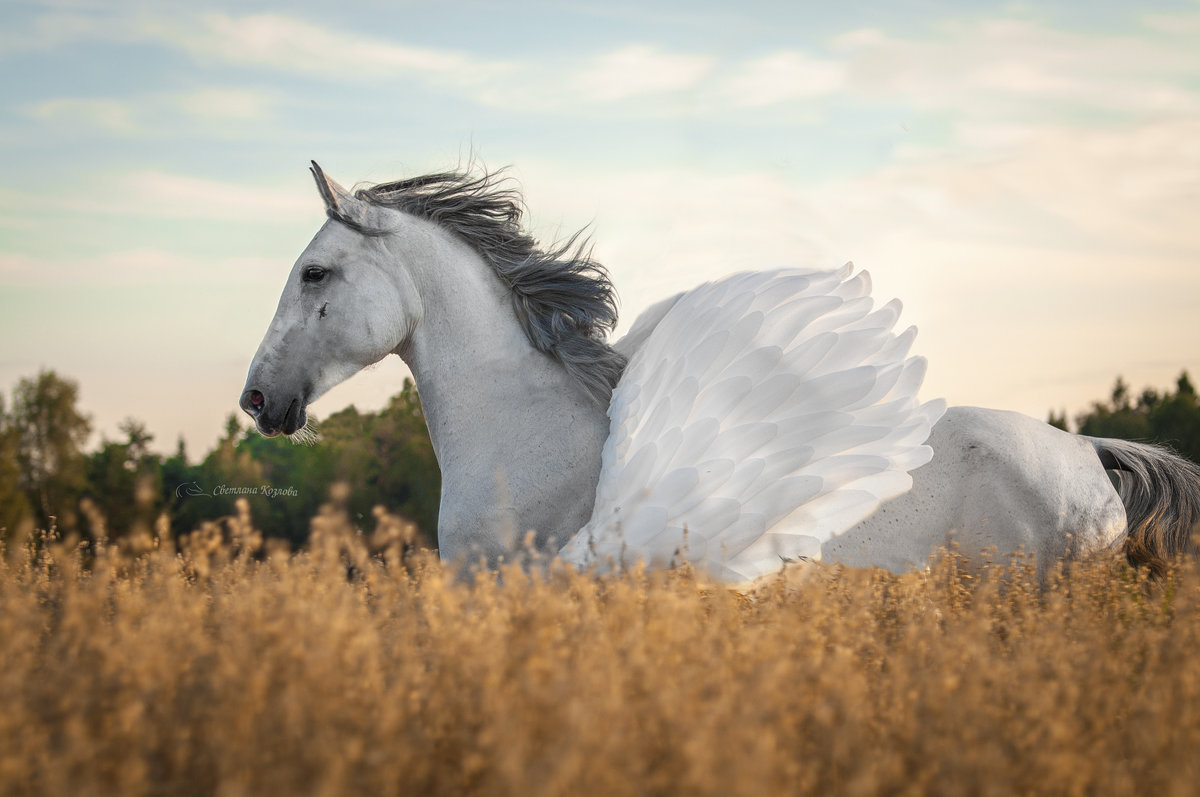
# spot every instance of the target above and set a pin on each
(761, 419)
(998, 480)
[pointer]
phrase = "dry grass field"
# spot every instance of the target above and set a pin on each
(353, 668)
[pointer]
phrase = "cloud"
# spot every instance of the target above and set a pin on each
(294, 45)
(183, 196)
(59, 28)
(637, 71)
(237, 104)
(993, 67)
(626, 73)
(1131, 187)
(165, 195)
(988, 68)
(138, 267)
(158, 114)
(109, 114)
(782, 77)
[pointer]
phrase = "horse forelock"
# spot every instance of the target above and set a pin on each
(563, 298)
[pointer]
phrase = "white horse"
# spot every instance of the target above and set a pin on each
(760, 419)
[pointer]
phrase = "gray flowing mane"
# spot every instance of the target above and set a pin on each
(563, 298)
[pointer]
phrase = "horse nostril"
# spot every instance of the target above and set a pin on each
(253, 401)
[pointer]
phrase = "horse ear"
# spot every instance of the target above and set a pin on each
(339, 203)
(334, 195)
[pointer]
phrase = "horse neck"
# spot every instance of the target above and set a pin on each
(517, 440)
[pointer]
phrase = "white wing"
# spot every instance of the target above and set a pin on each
(761, 415)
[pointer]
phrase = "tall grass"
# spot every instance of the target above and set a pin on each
(361, 667)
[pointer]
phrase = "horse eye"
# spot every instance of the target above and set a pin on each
(313, 274)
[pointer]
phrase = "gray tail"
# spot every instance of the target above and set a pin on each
(1161, 493)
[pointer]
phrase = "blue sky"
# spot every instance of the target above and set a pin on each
(1026, 177)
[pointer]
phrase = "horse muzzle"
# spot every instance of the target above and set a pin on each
(273, 416)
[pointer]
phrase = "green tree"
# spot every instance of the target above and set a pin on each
(125, 481)
(409, 480)
(385, 458)
(14, 507)
(1116, 417)
(388, 460)
(176, 477)
(1175, 419)
(293, 481)
(51, 433)
(1169, 418)
(201, 492)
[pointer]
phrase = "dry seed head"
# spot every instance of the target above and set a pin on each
(331, 670)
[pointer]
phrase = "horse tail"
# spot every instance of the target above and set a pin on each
(1161, 493)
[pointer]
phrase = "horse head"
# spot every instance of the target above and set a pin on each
(345, 306)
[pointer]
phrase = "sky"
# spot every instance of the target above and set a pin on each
(1024, 177)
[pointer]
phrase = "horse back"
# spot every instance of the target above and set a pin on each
(998, 480)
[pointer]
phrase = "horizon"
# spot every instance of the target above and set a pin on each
(1024, 178)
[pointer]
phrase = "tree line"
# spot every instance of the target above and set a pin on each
(385, 459)
(1170, 418)
(46, 476)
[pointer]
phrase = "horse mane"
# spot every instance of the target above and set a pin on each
(563, 298)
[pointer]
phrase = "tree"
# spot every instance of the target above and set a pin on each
(293, 481)
(14, 507)
(51, 433)
(125, 481)
(409, 480)
(205, 491)
(1175, 419)
(1170, 418)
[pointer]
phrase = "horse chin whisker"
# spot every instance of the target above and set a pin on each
(306, 435)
